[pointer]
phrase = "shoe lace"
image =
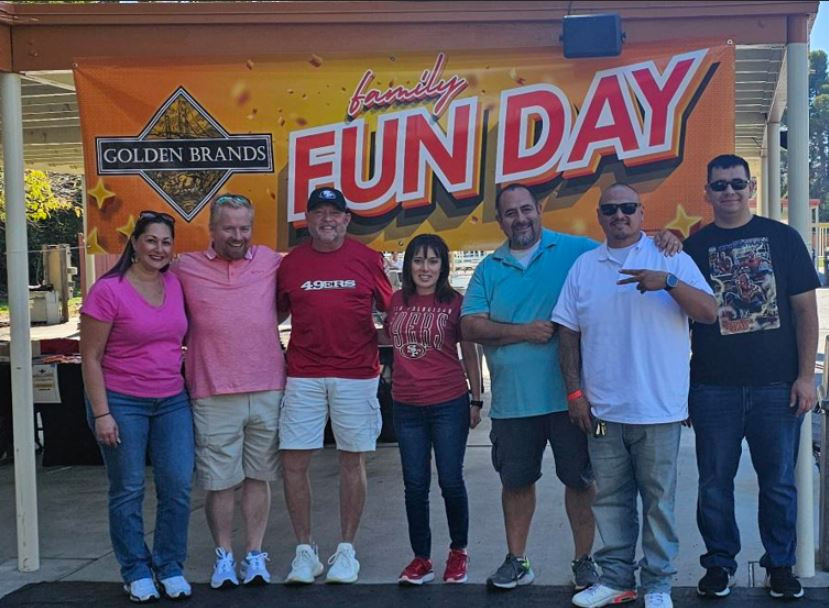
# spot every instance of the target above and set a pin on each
(303, 555)
(341, 554)
(456, 561)
(654, 600)
(418, 566)
(257, 560)
(224, 561)
(582, 564)
(515, 565)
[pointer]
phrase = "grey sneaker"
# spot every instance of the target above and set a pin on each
(584, 573)
(513, 572)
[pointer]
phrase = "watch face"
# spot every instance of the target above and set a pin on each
(671, 281)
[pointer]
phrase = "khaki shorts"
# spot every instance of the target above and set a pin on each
(352, 405)
(236, 438)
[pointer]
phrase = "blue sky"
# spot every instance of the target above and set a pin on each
(820, 29)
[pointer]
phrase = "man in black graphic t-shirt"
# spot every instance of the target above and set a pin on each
(752, 376)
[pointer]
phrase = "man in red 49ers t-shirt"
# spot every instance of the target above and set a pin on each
(328, 286)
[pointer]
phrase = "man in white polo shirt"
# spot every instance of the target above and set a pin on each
(624, 354)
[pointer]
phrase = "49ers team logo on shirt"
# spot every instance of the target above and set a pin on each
(320, 285)
(413, 350)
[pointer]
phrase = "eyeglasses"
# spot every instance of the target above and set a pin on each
(721, 184)
(611, 208)
(148, 214)
(233, 199)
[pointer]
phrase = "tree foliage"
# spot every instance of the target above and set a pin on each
(819, 131)
(53, 216)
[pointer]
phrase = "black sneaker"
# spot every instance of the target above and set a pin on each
(783, 584)
(584, 573)
(513, 572)
(717, 582)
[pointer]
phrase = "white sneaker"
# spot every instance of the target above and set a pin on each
(658, 600)
(176, 587)
(344, 566)
(224, 570)
(599, 595)
(142, 591)
(305, 567)
(253, 569)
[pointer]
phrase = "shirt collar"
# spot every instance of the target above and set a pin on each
(548, 240)
(211, 254)
(604, 254)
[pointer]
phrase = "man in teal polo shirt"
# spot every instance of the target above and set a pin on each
(507, 309)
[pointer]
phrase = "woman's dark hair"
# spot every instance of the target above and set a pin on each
(444, 292)
(145, 219)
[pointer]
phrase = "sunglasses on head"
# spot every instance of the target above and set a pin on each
(721, 184)
(156, 215)
(234, 199)
(611, 208)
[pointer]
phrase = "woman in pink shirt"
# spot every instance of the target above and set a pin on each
(132, 327)
(432, 408)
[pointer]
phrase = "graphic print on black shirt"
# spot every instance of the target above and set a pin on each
(742, 277)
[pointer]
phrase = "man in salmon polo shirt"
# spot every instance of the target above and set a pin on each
(235, 372)
(329, 285)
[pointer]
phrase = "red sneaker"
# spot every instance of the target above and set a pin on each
(456, 565)
(419, 571)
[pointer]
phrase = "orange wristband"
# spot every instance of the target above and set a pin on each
(576, 394)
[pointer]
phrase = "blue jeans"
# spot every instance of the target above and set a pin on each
(722, 416)
(164, 429)
(636, 459)
(445, 427)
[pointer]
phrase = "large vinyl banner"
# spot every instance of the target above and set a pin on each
(417, 142)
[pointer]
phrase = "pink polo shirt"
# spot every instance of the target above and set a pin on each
(233, 340)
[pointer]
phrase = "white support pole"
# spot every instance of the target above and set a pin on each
(25, 474)
(763, 186)
(773, 181)
(797, 89)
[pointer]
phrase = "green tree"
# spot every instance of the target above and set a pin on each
(819, 131)
(51, 218)
(818, 134)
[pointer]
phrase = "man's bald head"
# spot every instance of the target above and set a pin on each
(614, 190)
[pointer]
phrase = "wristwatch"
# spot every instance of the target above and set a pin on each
(670, 281)
(476, 403)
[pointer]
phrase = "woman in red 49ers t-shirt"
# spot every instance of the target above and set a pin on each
(431, 401)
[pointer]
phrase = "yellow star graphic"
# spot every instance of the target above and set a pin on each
(100, 193)
(127, 228)
(683, 222)
(92, 245)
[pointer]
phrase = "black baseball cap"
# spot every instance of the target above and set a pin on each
(327, 196)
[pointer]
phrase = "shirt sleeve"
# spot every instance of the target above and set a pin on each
(283, 300)
(801, 273)
(566, 310)
(396, 297)
(382, 286)
(476, 301)
(688, 272)
(101, 303)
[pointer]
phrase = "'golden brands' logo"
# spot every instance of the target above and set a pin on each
(184, 154)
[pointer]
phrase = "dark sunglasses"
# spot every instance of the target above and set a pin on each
(156, 215)
(611, 208)
(721, 184)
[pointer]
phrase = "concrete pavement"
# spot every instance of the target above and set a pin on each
(75, 544)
